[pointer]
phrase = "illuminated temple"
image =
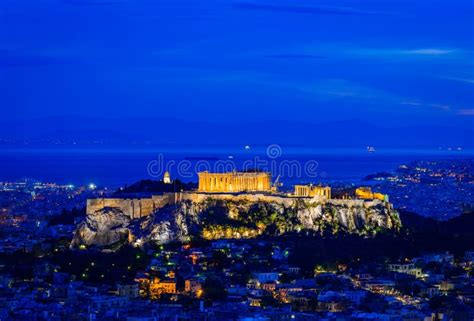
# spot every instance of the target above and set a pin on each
(234, 182)
(312, 191)
(366, 193)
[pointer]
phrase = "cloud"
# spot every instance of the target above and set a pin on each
(465, 80)
(321, 90)
(440, 106)
(347, 90)
(429, 52)
(339, 50)
(466, 112)
(92, 2)
(314, 10)
(411, 103)
(294, 56)
(418, 103)
(395, 52)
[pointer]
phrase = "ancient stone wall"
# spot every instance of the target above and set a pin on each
(251, 197)
(133, 207)
(142, 207)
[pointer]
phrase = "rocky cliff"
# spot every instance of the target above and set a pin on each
(217, 218)
(105, 226)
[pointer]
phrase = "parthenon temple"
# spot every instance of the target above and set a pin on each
(234, 182)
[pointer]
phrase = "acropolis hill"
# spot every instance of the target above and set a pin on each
(232, 205)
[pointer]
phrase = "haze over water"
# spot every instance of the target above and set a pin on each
(118, 167)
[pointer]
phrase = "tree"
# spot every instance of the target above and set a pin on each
(214, 289)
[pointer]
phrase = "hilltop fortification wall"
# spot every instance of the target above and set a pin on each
(132, 207)
(196, 197)
(142, 207)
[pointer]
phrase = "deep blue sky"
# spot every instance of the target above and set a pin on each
(316, 73)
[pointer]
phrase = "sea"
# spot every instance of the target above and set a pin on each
(119, 167)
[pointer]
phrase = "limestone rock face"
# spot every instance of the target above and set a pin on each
(309, 216)
(169, 224)
(104, 227)
(212, 218)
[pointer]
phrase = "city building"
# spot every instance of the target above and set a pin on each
(128, 290)
(157, 287)
(408, 268)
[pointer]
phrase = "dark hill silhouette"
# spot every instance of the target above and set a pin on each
(150, 186)
(463, 224)
(418, 236)
(412, 221)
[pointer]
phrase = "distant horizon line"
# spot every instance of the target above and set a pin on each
(237, 150)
